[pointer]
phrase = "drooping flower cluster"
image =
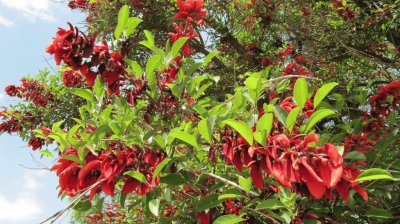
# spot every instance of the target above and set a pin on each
(293, 161)
(386, 100)
(107, 169)
(80, 53)
(342, 10)
(191, 11)
(72, 79)
(30, 90)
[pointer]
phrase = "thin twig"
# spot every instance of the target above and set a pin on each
(58, 214)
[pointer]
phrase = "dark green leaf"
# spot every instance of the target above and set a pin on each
(160, 167)
(207, 203)
(270, 204)
(318, 116)
(137, 175)
(242, 128)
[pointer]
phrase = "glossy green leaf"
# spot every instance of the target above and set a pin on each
(123, 16)
(151, 66)
(154, 206)
(323, 92)
(207, 203)
(84, 93)
(206, 127)
(374, 174)
(228, 219)
(355, 155)
(270, 204)
(185, 137)
(137, 175)
(317, 117)
(291, 119)
(281, 114)
(173, 179)
(242, 128)
(177, 46)
(378, 213)
(131, 25)
(160, 167)
(245, 183)
(300, 92)
(209, 57)
(83, 205)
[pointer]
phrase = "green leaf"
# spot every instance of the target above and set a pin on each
(291, 119)
(300, 92)
(209, 57)
(137, 175)
(374, 174)
(270, 204)
(177, 46)
(355, 155)
(160, 167)
(151, 66)
(183, 136)
(230, 194)
(206, 127)
(281, 114)
(207, 203)
(228, 219)
(98, 86)
(318, 116)
(323, 92)
(149, 37)
(72, 158)
(83, 205)
(154, 206)
(47, 153)
(245, 183)
(123, 16)
(131, 25)
(242, 128)
(136, 68)
(379, 213)
(173, 179)
(84, 93)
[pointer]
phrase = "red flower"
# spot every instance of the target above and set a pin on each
(71, 78)
(36, 143)
(203, 217)
(11, 90)
(191, 10)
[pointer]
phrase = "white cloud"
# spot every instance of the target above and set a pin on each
(5, 22)
(31, 9)
(23, 207)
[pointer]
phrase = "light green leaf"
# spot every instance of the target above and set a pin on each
(245, 183)
(154, 206)
(84, 93)
(137, 69)
(177, 46)
(206, 127)
(323, 92)
(317, 117)
(123, 16)
(291, 119)
(242, 128)
(131, 25)
(374, 174)
(149, 36)
(183, 136)
(151, 66)
(160, 167)
(270, 204)
(209, 57)
(137, 175)
(228, 219)
(300, 92)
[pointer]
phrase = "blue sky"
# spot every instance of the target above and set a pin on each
(26, 27)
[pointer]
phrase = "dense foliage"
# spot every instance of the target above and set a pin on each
(261, 111)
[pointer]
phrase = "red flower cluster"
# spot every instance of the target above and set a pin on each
(72, 79)
(110, 215)
(108, 167)
(70, 47)
(296, 69)
(293, 161)
(11, 121)
(80, 53)
(169, 74)
(191, 11)
(30, 90)
(342, 10)
(186, 31)
(386, 100)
